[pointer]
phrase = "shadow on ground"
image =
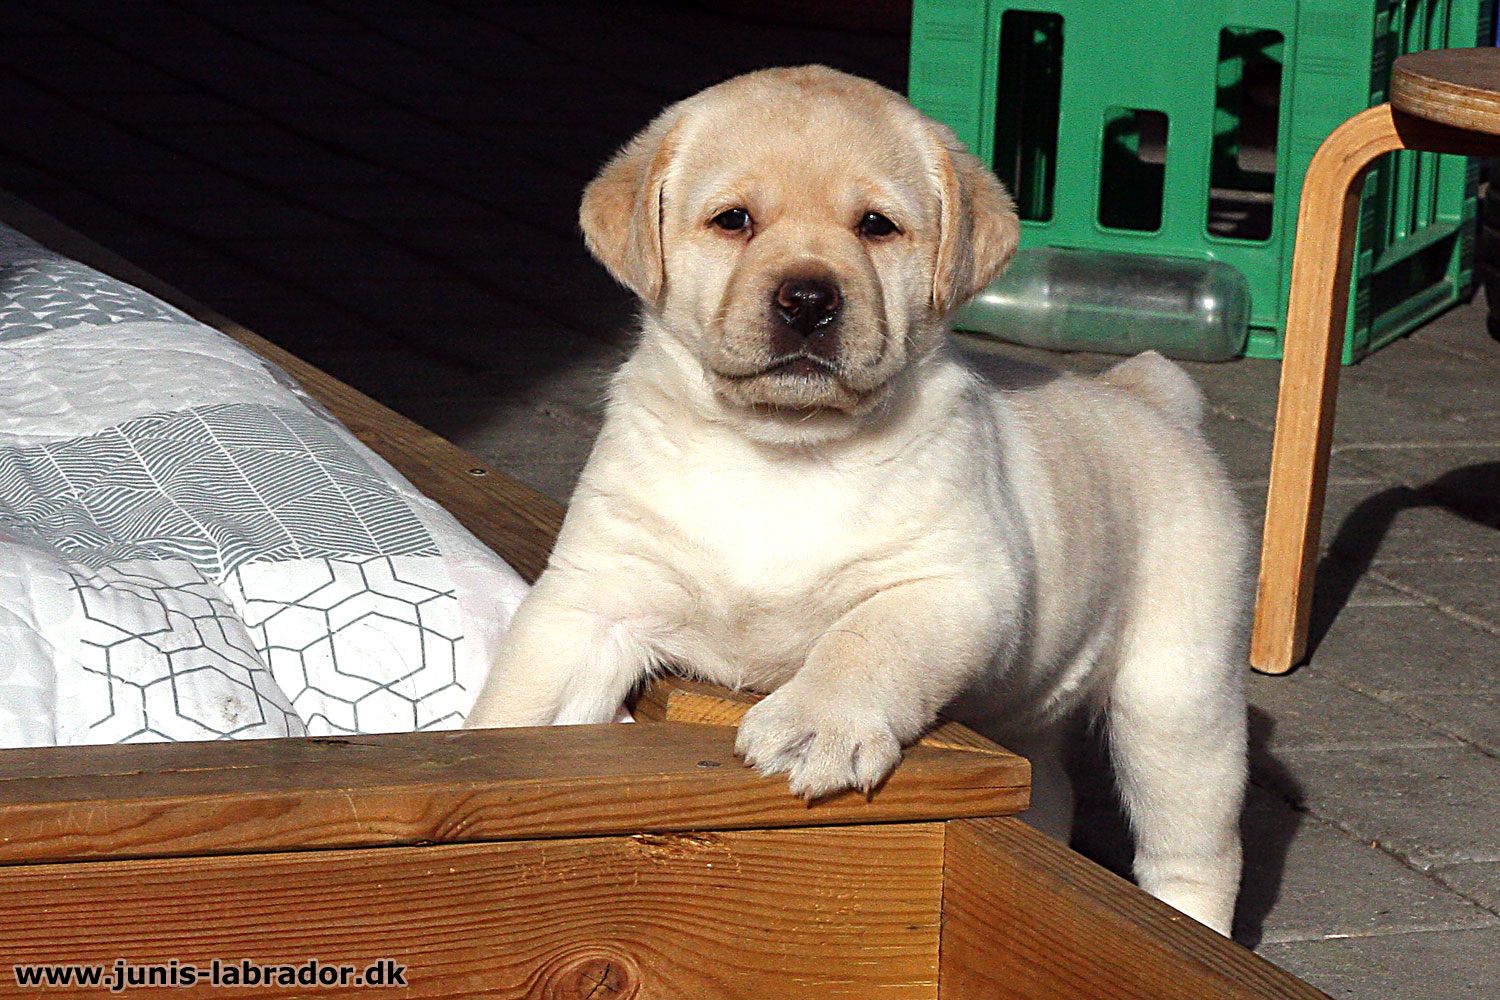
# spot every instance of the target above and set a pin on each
(1102, 833)
(1267, 834)
(1471, 492)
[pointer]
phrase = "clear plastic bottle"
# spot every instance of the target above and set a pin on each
(1089, 300)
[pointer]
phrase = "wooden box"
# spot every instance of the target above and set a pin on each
(599, 862)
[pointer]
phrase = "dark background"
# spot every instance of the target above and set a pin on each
(387, 189)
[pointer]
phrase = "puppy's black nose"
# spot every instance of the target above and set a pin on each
(806, 304)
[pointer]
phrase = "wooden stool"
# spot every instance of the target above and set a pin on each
(1442, 101)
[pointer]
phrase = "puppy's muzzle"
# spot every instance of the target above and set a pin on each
(805, 314)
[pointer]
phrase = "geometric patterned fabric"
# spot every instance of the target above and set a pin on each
(51, 294)
(190, 549)
(217, 486)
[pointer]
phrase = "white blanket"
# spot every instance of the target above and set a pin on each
(192, 548)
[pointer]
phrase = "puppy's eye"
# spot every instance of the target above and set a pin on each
(733, 220)
(875, 224)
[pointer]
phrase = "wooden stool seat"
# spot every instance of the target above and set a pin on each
(1443, 101)
(1458, 87)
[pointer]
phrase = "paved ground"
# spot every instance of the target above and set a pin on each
(388, 188)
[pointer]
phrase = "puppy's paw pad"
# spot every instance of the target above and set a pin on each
(821, 751)
(834, 763)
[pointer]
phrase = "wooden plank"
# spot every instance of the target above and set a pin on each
(850, 912)
(1024, 918)
(678, 699)
(508, 516)
(68, 803)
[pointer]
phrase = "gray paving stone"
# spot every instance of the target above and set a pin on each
(1470, 587)
(1370, 592)
(1428, 806)
(1368, 588)
(1306, 880)
(1307, 711)
(1473, 718)
(981, 344)
(514, 435)
(551, 479)
(433, 307)
(1461, 965)
(1247, 387)
(578, 400)
(315, 325)
(1406, 649)
(1479, 881)
(1422, 466)
(1394, 523)
(1244, 447)
(503, 344)
(1389, 397)
(1462, 329)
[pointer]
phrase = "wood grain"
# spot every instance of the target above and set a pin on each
(1024, 918)
(850, 912)
(1316, 319)
(678, 699)
(1458, 87)
(65, 803)
(505, 514)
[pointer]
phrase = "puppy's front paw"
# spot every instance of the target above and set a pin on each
(821, 749)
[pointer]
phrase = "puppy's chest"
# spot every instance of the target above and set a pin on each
(773, 562)
(766, 536)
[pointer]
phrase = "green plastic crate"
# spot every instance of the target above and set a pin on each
(1237, 96)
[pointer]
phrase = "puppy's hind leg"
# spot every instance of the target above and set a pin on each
(1177, 721)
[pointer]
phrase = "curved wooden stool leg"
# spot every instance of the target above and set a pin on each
(1315, 322)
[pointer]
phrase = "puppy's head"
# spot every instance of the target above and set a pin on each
(802, 232)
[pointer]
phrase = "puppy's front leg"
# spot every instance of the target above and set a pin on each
(870, 685)
(572, 653)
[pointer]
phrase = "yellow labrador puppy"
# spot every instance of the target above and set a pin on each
(799, 489)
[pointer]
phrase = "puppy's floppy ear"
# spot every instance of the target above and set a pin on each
(621, 211)
(979, 228)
